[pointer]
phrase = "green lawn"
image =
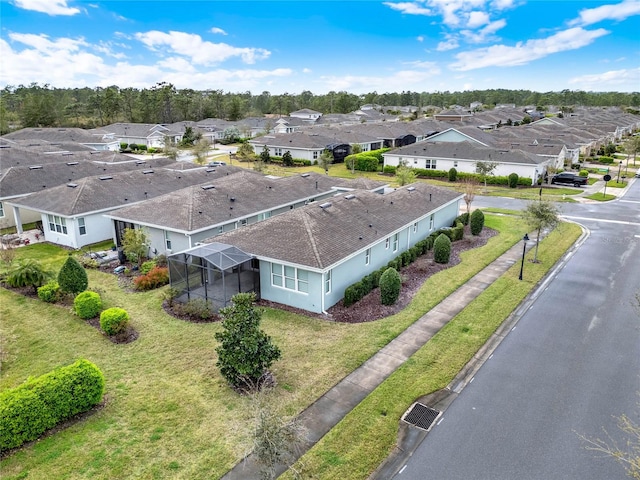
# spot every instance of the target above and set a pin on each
(168, 413)
(366, 436)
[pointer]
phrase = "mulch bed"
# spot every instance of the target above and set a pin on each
(369, 308)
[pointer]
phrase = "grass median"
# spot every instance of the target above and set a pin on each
(366, 436)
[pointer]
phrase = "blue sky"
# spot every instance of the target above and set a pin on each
(355, 46)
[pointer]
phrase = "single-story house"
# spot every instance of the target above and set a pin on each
(463, 156)
(306, 258)
(182, 219)
(149, 134)
(73, 214)
(87, 138)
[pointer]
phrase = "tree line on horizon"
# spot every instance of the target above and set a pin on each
(38, 105)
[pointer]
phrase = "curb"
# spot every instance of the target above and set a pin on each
(410, 437)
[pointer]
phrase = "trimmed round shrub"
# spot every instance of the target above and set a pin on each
(72, 277)
(390, 283)
(114, 320)
(87, 304)
(453, 174)
(49, 292)
(476, 222)
(30, 409)
(442, 249)
(513, 180)
(583, 173)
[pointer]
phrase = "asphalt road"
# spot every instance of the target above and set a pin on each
(570, 365)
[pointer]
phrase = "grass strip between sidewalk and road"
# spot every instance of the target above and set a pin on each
(366, 436)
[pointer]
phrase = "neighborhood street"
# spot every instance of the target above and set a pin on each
(570, 366)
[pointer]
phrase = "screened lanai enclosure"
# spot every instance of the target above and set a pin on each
(214, 272)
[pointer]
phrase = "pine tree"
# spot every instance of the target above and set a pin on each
(72, 277)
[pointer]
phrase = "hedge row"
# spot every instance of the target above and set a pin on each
(491, 179)
(297, 162)
(30, 409)
(367, 161)
(358, 290)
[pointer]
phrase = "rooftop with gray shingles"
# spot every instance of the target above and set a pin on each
(319, 237)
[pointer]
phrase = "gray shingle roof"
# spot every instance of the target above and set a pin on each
(467, 151)
(320, 237)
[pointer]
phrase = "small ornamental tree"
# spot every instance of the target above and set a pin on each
(513, 180)
(540, 215)
(135, 244)
(442, 249)
(27, 273)
(72, 277)
(287, 159)
(453, 174)
(390, 284)
(245, 352)
(485, 169)
(476, 222)
(245, 152)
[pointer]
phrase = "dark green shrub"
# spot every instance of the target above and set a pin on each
(405, 258)
(114, 320)
(513, 180)
(476, 222)
(367, 284)
(72, 277)
(366, 163)
(448, 231)
(87, 304)
(389, 169)
(583, 173)
(50, 292)
(390, 283)
(194, 308)
(606, 160)
(353, 293)
(442, 249)
(30, 409)
(453, 174)
(375, 276)
(464, 218)
(123, 145)
(457, 232)
(414, 253)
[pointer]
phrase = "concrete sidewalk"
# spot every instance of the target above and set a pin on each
(331, 407)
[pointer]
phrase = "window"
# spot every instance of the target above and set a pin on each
(430, 163)
(327, 282)
(1, 210)
(290, 278)
(221, 229)
(278, 152)
(395, 242)
(415, 227)
(57, 224)
(455, 164)
(167, 242)
(367, 256)
(264, 216)
(431, 222)
(316, 154)
(81, 226)
(386, 243)
(244, 222)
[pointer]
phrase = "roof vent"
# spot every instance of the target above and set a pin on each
(35, 167)
(210, 170)
(305, 175)
(325, 205)
(106, 177)
(350, 196)
(72, 163)
(141, 162)
(72, 185)
(145, 172)
(233, 199)
(411, 189)
(207, 187)
(66, 154)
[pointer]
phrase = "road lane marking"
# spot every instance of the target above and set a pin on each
(604, 220)
(402, 469)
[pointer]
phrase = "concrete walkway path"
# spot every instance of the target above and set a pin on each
(331, 407)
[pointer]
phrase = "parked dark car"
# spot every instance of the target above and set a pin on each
(568, 178)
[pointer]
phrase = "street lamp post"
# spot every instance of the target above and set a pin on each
(524, 250)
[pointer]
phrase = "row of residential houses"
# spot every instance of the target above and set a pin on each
(297, 240)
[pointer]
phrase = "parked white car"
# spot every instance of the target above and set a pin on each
(638, 173)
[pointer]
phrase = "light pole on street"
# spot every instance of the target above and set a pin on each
(524, 250)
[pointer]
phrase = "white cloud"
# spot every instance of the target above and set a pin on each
(619, 11)
(477, 19)
(611, 80)
(218, 31)
(107, 49)
(450, 43)
(198, 51)
(50, 7)
(398, 81)
(484, 34)
(523, 53)
(306, 70)
(420, 38)
(409, 8)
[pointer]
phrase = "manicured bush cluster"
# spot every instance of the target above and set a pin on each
(476, 222)
(442, 249)
(389, 169)
(87, 304)
(49, 292)
(583, 173)
(114, 320)
(157, 277)
(29, 410)
(367, 161)
(463, 218)
(390, 284)
(297, 162)
(72, 277)
(605, 160)
(513, 180)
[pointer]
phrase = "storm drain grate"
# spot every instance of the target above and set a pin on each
(421, 416)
